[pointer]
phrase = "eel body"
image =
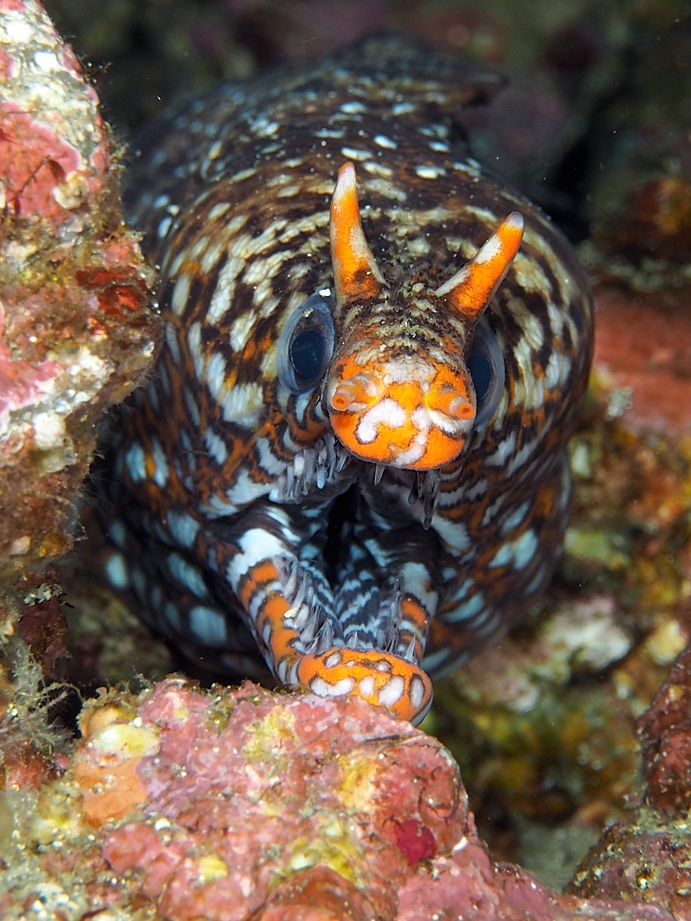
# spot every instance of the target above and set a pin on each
(349, 469)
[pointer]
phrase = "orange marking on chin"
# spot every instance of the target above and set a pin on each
(281, 636)
(377, 677)
(412, 610)
(263, 573)
(355, 268)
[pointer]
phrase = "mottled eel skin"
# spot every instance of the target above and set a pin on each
(350, 465)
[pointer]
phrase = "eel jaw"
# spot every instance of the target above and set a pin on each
(377, 660)
(381, 678)
(315, 467)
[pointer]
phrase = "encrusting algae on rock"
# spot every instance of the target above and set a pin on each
(107, 777)
(76, 329)
(230, 804)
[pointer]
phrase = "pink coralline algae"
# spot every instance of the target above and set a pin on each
(76, 328)
(643, 353)
(230, 810)
(53, 147)
(248, 805)
(21, 383)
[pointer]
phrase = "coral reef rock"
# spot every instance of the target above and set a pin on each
(231, 804)
(76, 329)
(649, 859)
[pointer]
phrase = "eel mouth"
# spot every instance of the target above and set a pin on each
(379, 662)
(355, 631)
(322, 466)
(313, 469)
(380, 678)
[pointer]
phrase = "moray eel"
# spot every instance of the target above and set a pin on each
(349, 468)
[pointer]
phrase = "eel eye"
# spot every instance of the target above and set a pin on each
(485, 363)
(306, 345)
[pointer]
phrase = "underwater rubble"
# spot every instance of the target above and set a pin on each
(649, 857)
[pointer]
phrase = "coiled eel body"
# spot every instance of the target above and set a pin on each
(349, 469)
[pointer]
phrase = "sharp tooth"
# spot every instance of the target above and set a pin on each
(302, 590)
(302, 618)
(331, 458)
(310, 465)
(409, 654)
(309, 629)
(281, 485)
(290, 585)
(325, 637)
(425, 486)
(341, 462)
(431, 496)
(378, 473)
(391, 638)
(352, 640)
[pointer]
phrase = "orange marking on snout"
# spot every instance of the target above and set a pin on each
(404, 424)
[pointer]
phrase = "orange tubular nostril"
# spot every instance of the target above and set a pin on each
(449, 401)
(460, 408)
(354, 393)
(343, 396)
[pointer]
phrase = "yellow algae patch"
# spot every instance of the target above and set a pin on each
(95, 718)
(125, 740)
(57, 817)
(269, 735)
(211, 868)
(666, 641)
(332, 845)
(359, 781)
